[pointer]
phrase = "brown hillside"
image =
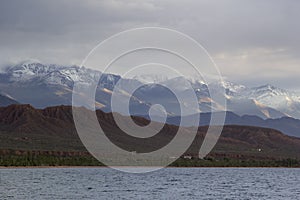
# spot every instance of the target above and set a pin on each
(23, 127)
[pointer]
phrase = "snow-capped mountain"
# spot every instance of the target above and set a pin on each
(45, 85)
(268, 98)
(280, 99)
(50, 74)
(233, 89)
(243, 101)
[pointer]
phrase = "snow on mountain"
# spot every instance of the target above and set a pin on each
(277, 98)
(267, 91)
(270, 95)
(23, 81)
(151, 78)
(50, 74)
(26, 71)
(233, 88)
(265, 101)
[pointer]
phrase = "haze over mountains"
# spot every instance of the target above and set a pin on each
(6, 100)
(49, 85)
(45, 85)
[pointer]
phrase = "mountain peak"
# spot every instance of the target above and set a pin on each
(232, 85)
(27, 70)
(268, 88)
(30, 61)
(45, 85)
(152, 78)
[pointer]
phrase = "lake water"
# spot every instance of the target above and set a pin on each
(170, 183)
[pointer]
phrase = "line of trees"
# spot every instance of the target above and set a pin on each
(43, 160)
(52, 160)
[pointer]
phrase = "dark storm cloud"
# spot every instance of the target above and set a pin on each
(246, 38)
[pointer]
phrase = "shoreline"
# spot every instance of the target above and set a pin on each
(58, 161)
(66, 167)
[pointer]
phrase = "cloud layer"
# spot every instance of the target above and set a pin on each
(252, 41)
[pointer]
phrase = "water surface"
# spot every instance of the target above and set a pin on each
(170, 183)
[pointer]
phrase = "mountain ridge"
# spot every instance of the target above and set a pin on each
(49, 85)
(286, 125)
(51, 129)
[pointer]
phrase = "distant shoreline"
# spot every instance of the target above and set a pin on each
(84, 167)
(57, 161)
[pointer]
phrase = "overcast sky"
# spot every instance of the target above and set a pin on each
(253, 42)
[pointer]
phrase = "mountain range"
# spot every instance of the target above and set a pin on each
(42, 85)
(22, 127)
(286, 125)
